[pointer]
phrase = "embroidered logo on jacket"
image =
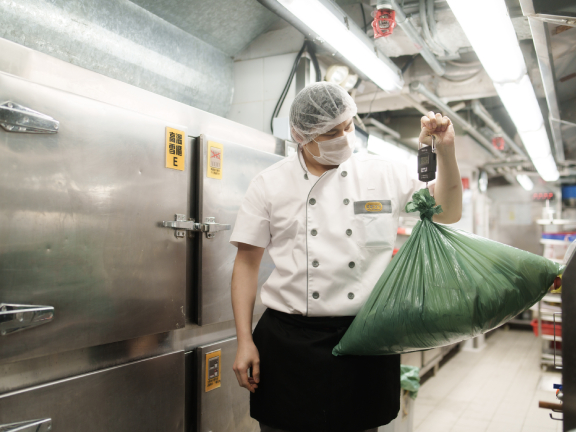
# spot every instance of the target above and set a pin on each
(373, 206)
(380, 206)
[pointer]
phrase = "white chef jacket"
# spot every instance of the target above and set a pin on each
(330, 237)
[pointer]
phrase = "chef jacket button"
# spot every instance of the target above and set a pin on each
(346, 201)
(350, 296)
(348, 232)
(312, 201)
(315, 294)
(343, 173)
(315, 263)
(314, 232)
(351, 264)
(305, 176)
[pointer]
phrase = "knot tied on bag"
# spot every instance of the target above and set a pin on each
(424, 203)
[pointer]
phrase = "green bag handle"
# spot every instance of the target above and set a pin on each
(424, 203)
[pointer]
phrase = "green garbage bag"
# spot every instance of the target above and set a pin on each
(410, 379)
(445, 286)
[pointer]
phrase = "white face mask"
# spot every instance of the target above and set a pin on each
(336, 150)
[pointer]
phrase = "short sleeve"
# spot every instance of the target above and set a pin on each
(408, 184)
(253, 221)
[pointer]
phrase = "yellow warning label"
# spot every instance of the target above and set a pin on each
(374, 206)
(215, 160)
(175, 149)
(213, 370)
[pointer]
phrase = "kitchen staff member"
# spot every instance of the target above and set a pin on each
(328, 218)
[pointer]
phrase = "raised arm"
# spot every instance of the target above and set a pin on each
(244, 288)
(448, 187)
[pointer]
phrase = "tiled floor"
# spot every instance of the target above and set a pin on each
(494, 390)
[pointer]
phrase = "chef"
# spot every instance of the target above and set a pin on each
(328, 219)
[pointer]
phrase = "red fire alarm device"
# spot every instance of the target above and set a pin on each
(498, 142)
(384, 22)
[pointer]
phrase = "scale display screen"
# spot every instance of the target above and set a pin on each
(424, 160)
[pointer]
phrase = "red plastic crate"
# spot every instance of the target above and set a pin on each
(547, 328)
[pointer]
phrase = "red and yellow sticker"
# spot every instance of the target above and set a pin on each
(215, 160)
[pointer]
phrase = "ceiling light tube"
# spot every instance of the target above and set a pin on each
(525, 182)
(495, 45)
(500, 55)
(325, 22)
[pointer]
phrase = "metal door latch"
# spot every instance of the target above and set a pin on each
(181, 225)
(43, 425)
(18, 118)
(17, 317)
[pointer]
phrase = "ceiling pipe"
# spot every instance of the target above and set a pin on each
(417, 86)
(413, 34)
(408, 98)
(383, 128)
(481, 112)
(546, 64)
(509, 164)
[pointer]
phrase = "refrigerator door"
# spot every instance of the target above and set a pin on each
(84, 258)
(225, 170)
(144, 396)
(217, 402)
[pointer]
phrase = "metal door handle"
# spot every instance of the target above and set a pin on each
(17, 317)
(43, 425)
(18, 118)
(181, 225)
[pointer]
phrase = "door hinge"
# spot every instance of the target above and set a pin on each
(180, 224)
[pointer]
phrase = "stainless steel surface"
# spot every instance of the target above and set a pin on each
(40, 370)
(18, 118)
(143, 396)
(417, 86)
(203, 19)
(481, 112)
(221, 198)
(79, 214)
(40, 68)
(541, 38)
(120, 39)
(415, 37)
(224, 409)
(43, 425)
(556, 12)
(283, 13)
(17, 317)
(17, 376)
(210, 227)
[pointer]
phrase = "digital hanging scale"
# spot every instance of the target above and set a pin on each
(427, 162)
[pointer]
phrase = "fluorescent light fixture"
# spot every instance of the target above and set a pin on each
(332, 29)
(499, 52)
(521, 103)
(390, 151)
(494, 40)
(525, 181)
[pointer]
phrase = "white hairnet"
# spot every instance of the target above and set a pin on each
(317, 109)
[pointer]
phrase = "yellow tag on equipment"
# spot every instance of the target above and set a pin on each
(213, 370)
(175, 149)
(215, 160)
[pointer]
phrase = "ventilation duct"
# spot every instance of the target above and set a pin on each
(121, 40)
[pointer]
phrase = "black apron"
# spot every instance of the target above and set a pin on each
(304, 388)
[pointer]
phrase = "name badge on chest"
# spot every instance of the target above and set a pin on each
(369, 207)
